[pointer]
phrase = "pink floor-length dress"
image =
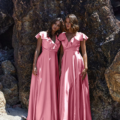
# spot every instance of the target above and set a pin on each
(43, 98)
(74, 102)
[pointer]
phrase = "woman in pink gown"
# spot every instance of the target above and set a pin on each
(43, 96)
(74, 102)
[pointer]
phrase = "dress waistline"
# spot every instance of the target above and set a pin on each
(49, 50)
(72, 49)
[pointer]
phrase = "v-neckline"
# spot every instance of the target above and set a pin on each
(70, 39)
(55, 39)
(51, 39)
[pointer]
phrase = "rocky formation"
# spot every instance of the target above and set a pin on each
(8, 83)
(31, 17)
(116, 6)
(102, 47)
(6, 25)
(6, 55)
(6, 10)
(10, 89)
(116, 9)
(8, 68)
(112, 75)
(97, 20)
(5, 22)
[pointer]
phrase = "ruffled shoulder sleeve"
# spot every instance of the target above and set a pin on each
(42, 34)
(84, 37)
(61, 37)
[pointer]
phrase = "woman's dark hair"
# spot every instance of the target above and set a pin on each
(49, 32)
(74, 22)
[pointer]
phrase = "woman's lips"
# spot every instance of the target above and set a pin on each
(54, 28)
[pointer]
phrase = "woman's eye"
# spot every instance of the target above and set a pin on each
(57, 25)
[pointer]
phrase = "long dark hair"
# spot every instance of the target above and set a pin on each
(49, 31)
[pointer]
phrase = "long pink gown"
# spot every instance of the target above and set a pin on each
(43, 98)
(74, 102)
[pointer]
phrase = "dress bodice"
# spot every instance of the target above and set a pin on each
(74, 43)
(47, 42)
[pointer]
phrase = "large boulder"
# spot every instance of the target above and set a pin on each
(96, 20)
(8, 68)
(31, 17)
(6, 11)
(102, 47)
(5, 21)
(6, 55)
(112, 75)
(116, 6)
(10, 89)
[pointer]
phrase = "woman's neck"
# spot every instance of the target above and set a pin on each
(70, 31)
(53, 33)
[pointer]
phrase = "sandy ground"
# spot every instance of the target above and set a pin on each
(13, 114)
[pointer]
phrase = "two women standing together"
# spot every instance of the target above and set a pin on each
(67, 98)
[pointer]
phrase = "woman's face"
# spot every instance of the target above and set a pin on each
(67, 24)
(56, 26)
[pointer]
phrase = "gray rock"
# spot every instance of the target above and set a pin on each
(96, 20)
(8, 68)
(6, 10)
(10, 89)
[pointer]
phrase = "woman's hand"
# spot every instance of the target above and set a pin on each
(84, 54)
(34, 71)
(84, 72)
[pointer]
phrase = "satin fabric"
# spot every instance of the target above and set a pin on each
(74, 102)
(43, 98)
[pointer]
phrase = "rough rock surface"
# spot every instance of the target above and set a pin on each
(6, 10)
(6, 6)
(6, 55)
(30, 17)
(5, 22)
(102, 47)
(97, 21)
(112, 75)
(10, 89)
(8, 68)
(116, 6)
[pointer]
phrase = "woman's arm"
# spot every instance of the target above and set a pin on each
(36, 54)
(84, 54)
